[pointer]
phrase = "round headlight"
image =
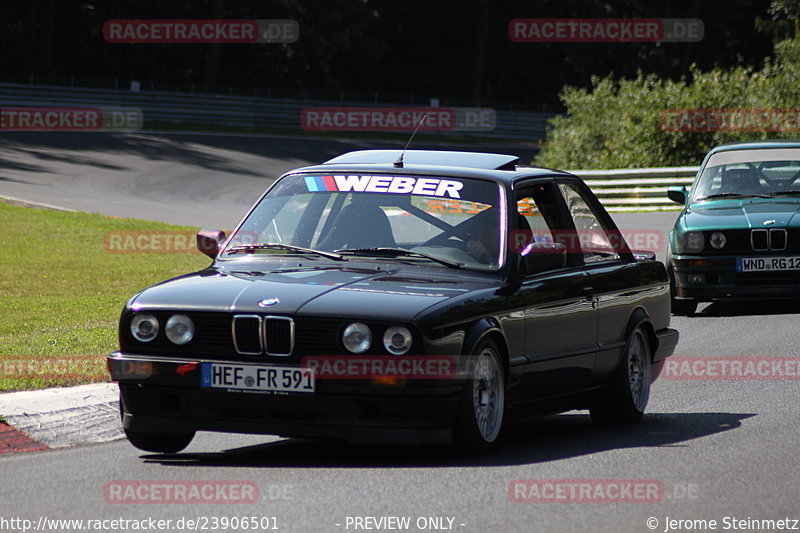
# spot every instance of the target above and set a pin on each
(717, 240)
(694, 241)
(179, 329)
(357, 337)
(144, 328)
(397, 340)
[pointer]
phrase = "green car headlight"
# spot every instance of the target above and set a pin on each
(717, 240)
(693, 241)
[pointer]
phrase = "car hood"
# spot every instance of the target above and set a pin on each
(333, 291)
(743, 214)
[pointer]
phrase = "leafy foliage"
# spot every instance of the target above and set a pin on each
(618, 123)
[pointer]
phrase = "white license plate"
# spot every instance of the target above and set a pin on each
(767, 264)
(258, 378)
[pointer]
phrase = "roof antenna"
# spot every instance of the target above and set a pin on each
(399, 162)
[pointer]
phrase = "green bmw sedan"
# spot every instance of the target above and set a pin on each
(738, 235)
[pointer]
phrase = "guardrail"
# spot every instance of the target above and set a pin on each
(195, 109)
(638, 189)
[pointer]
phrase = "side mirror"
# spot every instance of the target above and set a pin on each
(210, 241)
(540, 256)
(677, 194)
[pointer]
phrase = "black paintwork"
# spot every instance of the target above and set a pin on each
(561, 331)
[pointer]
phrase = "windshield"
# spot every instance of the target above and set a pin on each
(750, 173)
(455, 220)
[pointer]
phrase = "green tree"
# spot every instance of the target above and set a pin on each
(625, 123)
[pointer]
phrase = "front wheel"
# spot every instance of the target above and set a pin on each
(480, 414)
(156, 442)
(159, 442)
(679, 307)
(625, 399)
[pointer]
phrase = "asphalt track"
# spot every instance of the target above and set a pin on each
(719, 448)
(197, 180)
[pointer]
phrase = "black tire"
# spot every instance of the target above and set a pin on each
(684, 307)
(679, 307)
(625, 399)
(159, 442)
(156, 442)
(481, 408)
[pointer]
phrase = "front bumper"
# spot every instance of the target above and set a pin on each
(722, 281)
(415, 412)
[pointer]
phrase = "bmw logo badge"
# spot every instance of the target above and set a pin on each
(268, 302)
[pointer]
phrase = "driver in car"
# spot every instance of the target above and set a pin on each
(484, 243)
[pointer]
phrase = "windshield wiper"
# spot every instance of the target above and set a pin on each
(249, 248)
(788, 192)
(397, 252)
(733, 195)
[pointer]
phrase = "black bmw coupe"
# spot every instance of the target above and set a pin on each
(421, 297)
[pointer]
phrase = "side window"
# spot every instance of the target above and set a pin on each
(538, 223)
(530, 218)
(593, 238)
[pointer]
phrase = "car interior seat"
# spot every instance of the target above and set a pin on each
(359, 226)
(739, 180)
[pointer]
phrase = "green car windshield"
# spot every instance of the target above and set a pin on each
(750, 173)
(458, 221)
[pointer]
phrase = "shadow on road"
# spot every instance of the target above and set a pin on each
(197, 149)
(8, 165)
(549, 439)
(12, 180)
(71, 158)
(193, 150)
(750, 308)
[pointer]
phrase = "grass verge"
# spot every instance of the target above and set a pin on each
(62, 289)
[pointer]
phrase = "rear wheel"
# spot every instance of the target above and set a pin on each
(625, 399)
(480, 415)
